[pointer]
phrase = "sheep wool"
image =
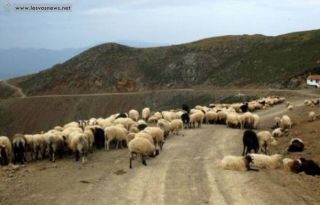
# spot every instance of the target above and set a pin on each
(266, 162)
(238, 163)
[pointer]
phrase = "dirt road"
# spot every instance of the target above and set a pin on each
(185, 172)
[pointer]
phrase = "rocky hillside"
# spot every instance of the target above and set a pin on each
(227, 61)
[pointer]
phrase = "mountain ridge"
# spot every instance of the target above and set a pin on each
(225, 61)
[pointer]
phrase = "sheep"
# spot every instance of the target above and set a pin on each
(39, 146)
(233, 120)
(244, 108)
(134, 115)
(55, 144)
(256, 121)
(115, 133)
(290, 107)
(145, 113)
(247, 120)
(265, 140)
(89, 132)
(92, 121)
(186, 120)
(278, 132)
(126, 122)
(312, 116)
(165, 126)
(296, 145)
(196, 117)
(285, 122)
(157, 135)
(307, 166)
(99, 138)
(176, 125)
(186, 108)
(71, 124)
(140, 146)
(19, 148)
(211, 117)
(77, 142)
(290, 164)
(250, 142)
(155, 117)
(121, 115)
(238, 163)
(265, 161)
(5, 151)
(222, 117)
(277, 121)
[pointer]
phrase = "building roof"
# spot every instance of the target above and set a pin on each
(314, 77)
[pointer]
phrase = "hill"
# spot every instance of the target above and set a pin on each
(227, 61)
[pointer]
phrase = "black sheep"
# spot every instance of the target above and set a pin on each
(308, 166)
(122, 115)
(3, 156)
(186, 108)
(244, 107)
(186, 120)
(250, 142)
(99, 138)
(296, 146)
(19, 148)
(142, 126)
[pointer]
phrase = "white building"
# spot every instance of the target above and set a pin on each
(313, 80)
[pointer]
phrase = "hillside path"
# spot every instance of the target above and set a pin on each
(17, 89)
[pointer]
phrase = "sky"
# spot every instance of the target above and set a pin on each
(164, 22)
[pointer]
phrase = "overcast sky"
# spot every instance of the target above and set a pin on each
(157, 21)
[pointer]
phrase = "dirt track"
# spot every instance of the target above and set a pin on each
(184, 173)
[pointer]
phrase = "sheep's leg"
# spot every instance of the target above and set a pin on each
(53, 156)
(143, 160)
(117, 146)
(244, 147)
(77, 155)
(130, 163)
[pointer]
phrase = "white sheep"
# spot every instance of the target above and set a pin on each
(233, 120)
(312, 116)
(55, 144)
(134, 115)
(277, 121)
(285, 122)
(78, 143)
(126, 122)
(196, 117)
(165, 126)
(238, 163)
(145, 113)
(277, 132)
(140, 146)
(115, 133)
(5, 150)
(264, 161)
(211, 117)
(88, 131)
(157, 134)
(290, 107)
(71, 124)
(265, 140)
(176, 125)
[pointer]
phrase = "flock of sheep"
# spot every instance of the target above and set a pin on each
(145, 134)
(262, 140)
